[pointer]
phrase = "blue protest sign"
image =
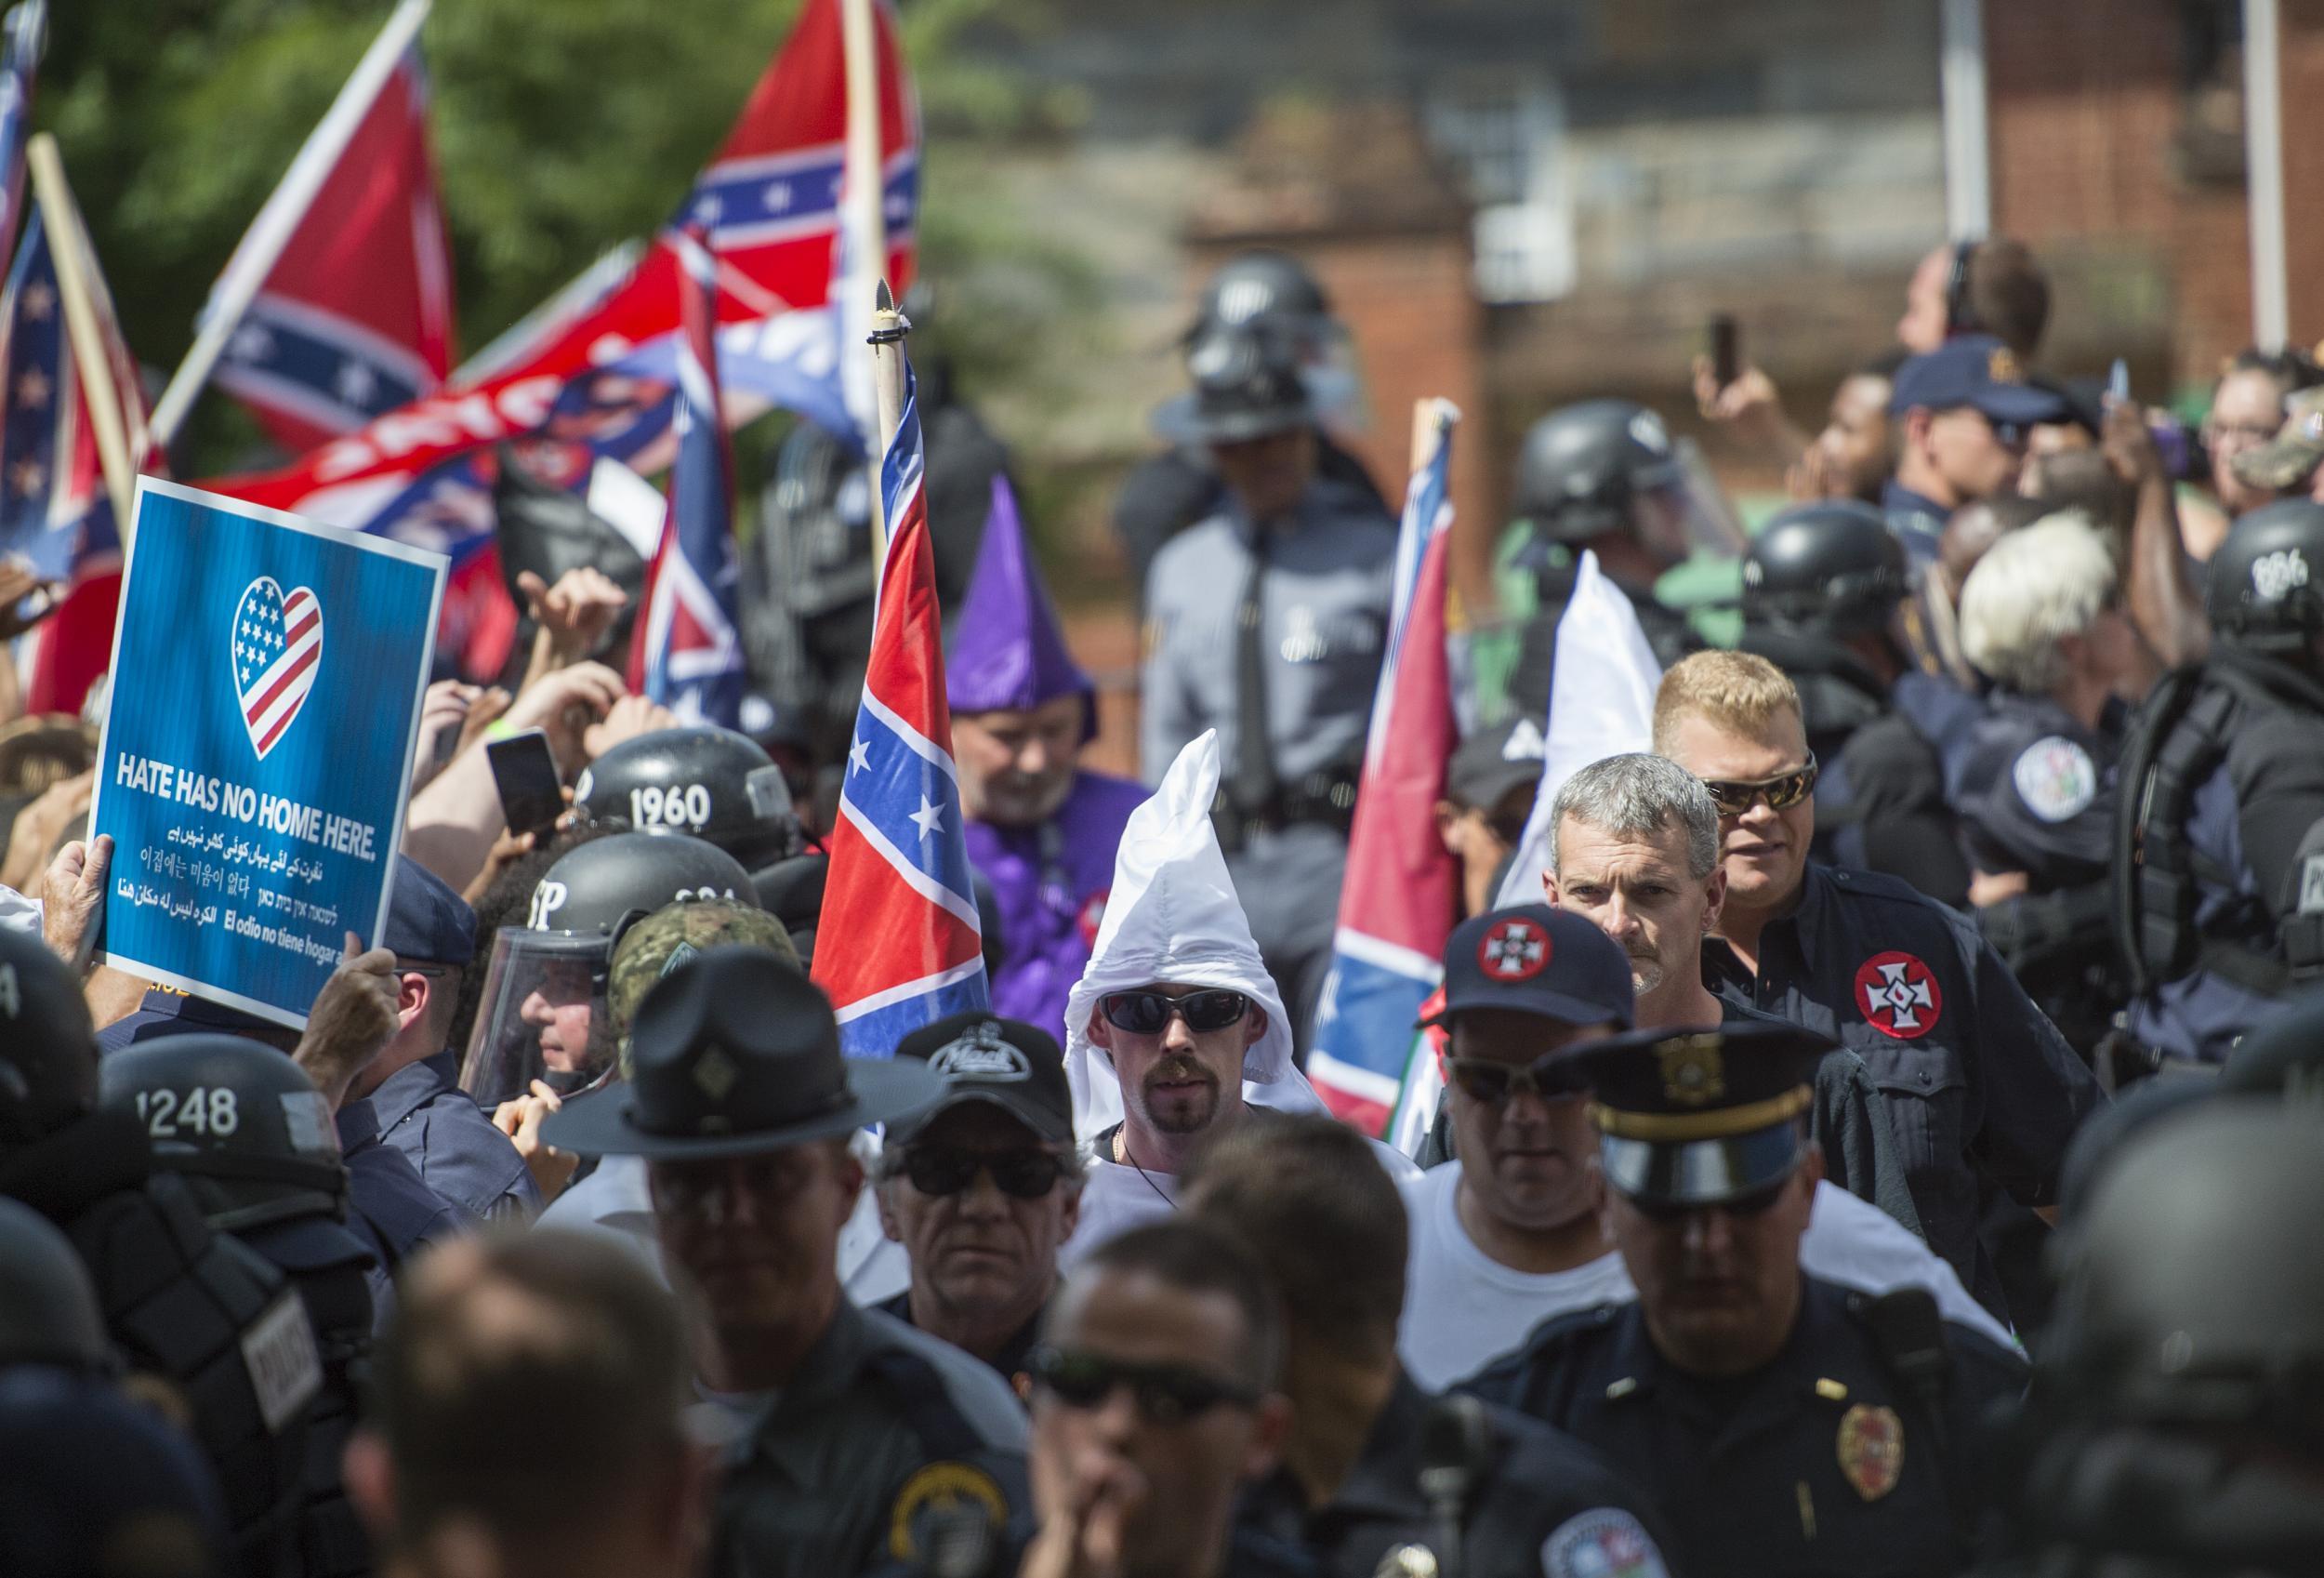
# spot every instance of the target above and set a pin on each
(257, 754)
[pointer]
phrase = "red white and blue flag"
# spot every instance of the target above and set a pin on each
(54, 506)
(899, 851)
(1397, 904)
(599, 381)
(688, 655)
(354, 319)
(26, 26)
(278, 642)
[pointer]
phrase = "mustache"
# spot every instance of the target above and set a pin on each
(1178, 1069)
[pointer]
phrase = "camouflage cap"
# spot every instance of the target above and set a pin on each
(2291, 458)
(672, 935)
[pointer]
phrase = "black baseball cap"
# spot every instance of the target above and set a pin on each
(1700, 1116)
(1493, 762)
(426, 921)
(1531, 958)
(1005, 1063)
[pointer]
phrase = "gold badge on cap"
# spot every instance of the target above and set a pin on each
(2001, 366)
(714, 1073)
(1871, 1450)
(1694, 1073)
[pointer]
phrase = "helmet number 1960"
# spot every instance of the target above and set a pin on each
(681, 805)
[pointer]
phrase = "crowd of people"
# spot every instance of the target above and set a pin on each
(1877, 1139)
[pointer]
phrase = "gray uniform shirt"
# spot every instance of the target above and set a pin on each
(885, 1431)
(1323, 628)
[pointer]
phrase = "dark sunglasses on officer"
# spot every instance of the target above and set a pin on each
(1165, 1394)
(1735, 796)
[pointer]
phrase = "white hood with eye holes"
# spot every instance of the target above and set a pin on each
(1173, 916)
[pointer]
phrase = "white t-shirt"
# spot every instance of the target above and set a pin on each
(1117, 1197)
(1462, 1309)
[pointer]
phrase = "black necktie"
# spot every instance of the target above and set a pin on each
(1253, 785)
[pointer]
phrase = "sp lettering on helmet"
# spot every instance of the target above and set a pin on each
(2274, 575)
(548, 898)
(677, 805)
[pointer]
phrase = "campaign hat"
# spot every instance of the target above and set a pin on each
(737, 1053)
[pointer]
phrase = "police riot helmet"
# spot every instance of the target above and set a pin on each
(2192, 1287)
(2267, 578)
(1260, 285)
(541, 1013)
(1831, 567)
(716, 784)
(48, 1045)
(243, 1123)
(1584, 468)
(48, 1311)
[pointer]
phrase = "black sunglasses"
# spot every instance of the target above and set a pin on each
(1148, 1014)
(1021, 1174)
(1781, 792)
(1552, 1078)
(1167, 1394)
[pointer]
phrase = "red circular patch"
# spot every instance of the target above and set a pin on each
(1898, 996)
(1517, 950)
(1094, 915)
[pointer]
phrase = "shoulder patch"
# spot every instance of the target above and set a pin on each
(2055, 778)
(934, 1494)
(1605, 1542)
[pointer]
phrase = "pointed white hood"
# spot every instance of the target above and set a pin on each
(1173, 916)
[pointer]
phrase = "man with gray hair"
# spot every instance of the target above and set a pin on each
(2042, 615)
(1634, 848)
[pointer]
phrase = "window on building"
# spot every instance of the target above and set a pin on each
(1505, 134)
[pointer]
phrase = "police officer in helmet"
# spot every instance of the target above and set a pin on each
(1603, 476)
(1823, 588)
(2173, 1430)
(2221, 778)
(48, 1312)
(542, 1016)
(194, 1308)
(1179, 488)
(253, 1139)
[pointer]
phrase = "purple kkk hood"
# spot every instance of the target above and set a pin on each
(1007, 651)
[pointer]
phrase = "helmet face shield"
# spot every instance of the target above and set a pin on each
(542, 1016)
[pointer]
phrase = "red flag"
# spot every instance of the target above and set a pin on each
(355, 317)
(769, 201)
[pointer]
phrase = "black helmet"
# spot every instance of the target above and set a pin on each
(245, 1125)
(712, 782)
(541, 1013)
(1261, 285)
(2192, 1288)
(2283, 1054)
(2267, 578)
(48, 1312)
(1248, 384)
(1583, 465)
(47, 1047)
(1834, 567)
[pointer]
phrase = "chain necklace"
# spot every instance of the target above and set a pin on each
(1121, 1144)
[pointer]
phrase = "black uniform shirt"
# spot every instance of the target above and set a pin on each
(1550, 1507)
(1820, 1463)
(1976, 1077)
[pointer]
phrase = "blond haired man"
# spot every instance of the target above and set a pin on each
(1980, 1084)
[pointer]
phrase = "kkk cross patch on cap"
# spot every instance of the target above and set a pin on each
(1517, 950)
(1898, 995)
